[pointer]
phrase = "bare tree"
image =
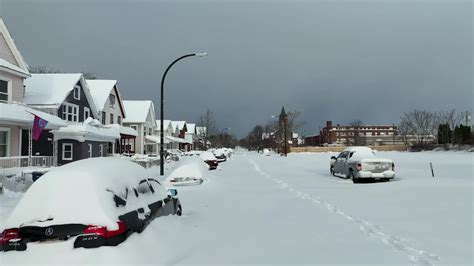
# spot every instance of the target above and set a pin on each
(207, 121)
(421, 123)
(356, 124)
(43, 70)
(405, 129)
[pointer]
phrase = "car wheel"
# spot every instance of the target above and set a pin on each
(355, 180)
(332, 171)
(179, 212)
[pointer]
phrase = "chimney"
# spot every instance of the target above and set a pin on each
(328, 123)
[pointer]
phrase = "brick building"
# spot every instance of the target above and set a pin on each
(355, 135)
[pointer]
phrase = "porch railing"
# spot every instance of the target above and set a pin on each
(22, 161)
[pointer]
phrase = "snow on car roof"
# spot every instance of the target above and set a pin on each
(77, 193)
(359, 148)
(189, 167)
(208, 156)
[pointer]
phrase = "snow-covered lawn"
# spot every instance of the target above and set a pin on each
(270, 209)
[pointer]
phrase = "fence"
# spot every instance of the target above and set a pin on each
(341, 148)
(22, 161)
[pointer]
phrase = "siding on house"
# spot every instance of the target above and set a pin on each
(80, 150)
(17, 89)
(82, 102)
(116, 110)
(5, 51)
(14, 139)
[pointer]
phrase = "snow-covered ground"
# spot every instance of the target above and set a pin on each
(269, 209)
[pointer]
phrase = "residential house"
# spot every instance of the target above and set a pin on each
(180, 135)
(110, 108)
(190, 135)
(141, 117)
(14, 114)
(68, 97)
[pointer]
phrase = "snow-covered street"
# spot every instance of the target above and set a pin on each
(259, 209)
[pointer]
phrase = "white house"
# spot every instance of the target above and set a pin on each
(141, 117)
(111, 111)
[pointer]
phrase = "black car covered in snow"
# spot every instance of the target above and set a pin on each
(97, 202)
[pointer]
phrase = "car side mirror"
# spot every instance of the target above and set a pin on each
(333, 158)
(172, 192)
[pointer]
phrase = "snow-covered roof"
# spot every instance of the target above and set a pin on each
(49, 88)
(166, 124)
(4, 64)
(90, 129)
(123, 130)
(178, 124)
(178, 140)
(22, 65)
(85, 196)
(294, 135)
(100, 90)
(156, 139)
(191, 128)
(137, 111)
(19, 114)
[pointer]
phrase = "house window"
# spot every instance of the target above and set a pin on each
(150, 132)
(119, 120)
(70, 112)
(101, 150)
(4, 140)
(4, 90)
(67, 152)
(112, 100)
(135, 127)
(77, 92)
(103, 118)
(87, 113)
(111, 118)
(89, 150)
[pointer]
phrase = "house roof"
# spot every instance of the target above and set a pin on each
(9, 67)
(19, 114)
(53, 88)
(166, 124)
(137, 111)
(191, 128)
(22, 66)
(178, 124)
(100, 90)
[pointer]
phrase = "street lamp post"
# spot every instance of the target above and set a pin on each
(162, 169)
(222, 134)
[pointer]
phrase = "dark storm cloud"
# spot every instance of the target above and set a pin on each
(339, 60)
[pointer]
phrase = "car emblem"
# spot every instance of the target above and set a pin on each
(49, 231)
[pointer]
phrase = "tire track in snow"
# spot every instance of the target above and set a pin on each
(415, 255)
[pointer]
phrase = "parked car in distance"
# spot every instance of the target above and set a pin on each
(102, 201)
(209, 158)
(361, 163)
(220, 155)
(189, 172)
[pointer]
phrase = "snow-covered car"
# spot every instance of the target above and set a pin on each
(209, 158)
(221, 155)
(98, 202)
(361, 163)
(190, 171)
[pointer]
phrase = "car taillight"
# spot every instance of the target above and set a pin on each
(9, 234)
(121, 229)
(96, 230)
(102, 230)
(393, 167)
(359, 166)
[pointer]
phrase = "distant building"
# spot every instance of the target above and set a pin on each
(355, 135)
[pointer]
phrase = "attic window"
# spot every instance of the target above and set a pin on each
(77, 92)
(112, 100)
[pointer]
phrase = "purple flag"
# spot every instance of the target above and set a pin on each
(38, 125)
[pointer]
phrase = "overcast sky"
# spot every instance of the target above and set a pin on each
(331, 60)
